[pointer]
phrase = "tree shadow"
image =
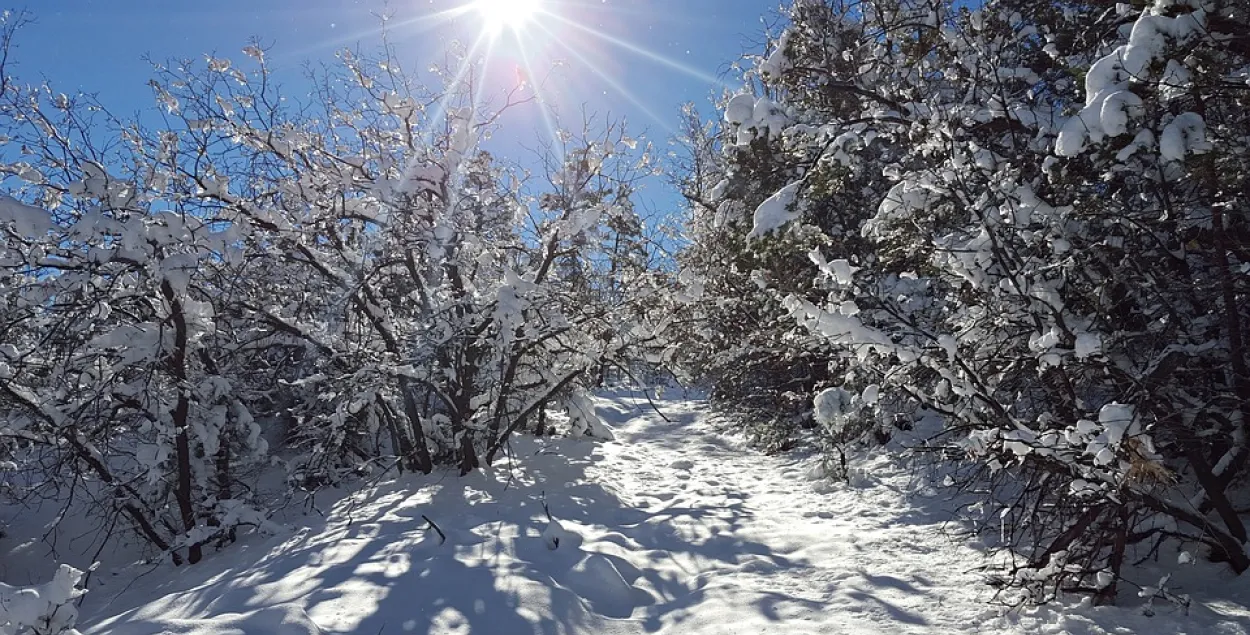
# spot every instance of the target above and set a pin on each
(376, 565)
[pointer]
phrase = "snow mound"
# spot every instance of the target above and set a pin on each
(46, 607)
(555, 535)
(598, 582)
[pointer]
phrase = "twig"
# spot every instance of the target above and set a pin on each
(442, 536)
(95, 558)
(546, 510)
(646, 393)
(351, 506)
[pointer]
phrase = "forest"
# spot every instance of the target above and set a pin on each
(1005, 243)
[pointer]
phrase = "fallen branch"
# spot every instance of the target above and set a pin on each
(442, 537)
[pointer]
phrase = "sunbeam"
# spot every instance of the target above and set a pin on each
(465, 65)
(477, 90)
(642, 52)
(544, 110)
(615, 85)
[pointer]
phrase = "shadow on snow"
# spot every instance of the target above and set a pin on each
(378, 568)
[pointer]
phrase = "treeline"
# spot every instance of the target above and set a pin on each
(1027, 220)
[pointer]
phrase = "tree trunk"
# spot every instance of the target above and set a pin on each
(181, 414)
(1106, 595)
(418, 458)
(1236, 346)
(400, 444)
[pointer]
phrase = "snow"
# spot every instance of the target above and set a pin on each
(1186, 134)
(25, 220)
(48, 607)
(1145, 139)
(603, 587)
(1087, 344)
(281, 619)
(1176, 80)
(777, 62)
(870, 394)
(583, 419)
(1116, 420)
(752, 116)
(511, 303)
(777, 210)
(830, 405)
(1110, 102)
(554, 534)
(840, 271)
(674, 527)
(739, 109)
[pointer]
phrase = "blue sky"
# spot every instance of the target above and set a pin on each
(97, 46)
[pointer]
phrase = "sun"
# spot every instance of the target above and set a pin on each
(498, 15)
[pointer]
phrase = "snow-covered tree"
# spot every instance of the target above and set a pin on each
(320, 283)
(1024, 219)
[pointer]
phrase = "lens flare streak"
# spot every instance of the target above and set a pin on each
(642, 52)
(532, 32)
(612, 83)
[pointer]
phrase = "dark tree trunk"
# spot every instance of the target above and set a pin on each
(181, 414)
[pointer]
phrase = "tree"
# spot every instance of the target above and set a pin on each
(993, 255)
(323, 284)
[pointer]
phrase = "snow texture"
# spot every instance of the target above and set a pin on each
(732, 542)
(831, 405)
(777, 62)
(279, 619)
(752, 117)
(25, 220)
(1087, 344)
(1116, 420)
(1186, 134)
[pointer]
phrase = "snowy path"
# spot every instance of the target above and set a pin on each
(776, 551)
(672, 528)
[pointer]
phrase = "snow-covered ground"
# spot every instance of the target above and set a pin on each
(671, 528)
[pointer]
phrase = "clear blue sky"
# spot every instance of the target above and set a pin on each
(97, 46)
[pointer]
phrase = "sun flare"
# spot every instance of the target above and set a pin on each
(498, 15)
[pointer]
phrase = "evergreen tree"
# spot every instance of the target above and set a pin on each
(1025, 221)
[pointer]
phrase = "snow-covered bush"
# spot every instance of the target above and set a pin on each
(1025, 218)
(45, 609)
(731, 330)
